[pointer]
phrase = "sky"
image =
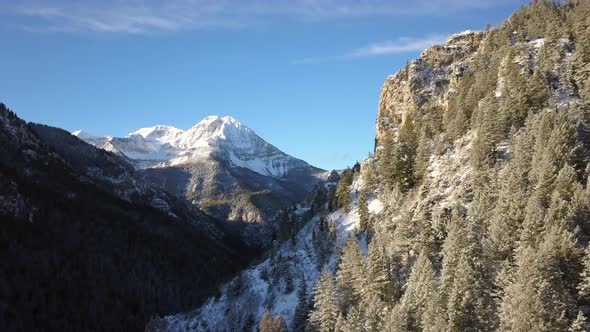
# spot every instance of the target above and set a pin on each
(304, 74)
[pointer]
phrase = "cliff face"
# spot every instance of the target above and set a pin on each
(428, 79)
(434, 77)
(476, 140)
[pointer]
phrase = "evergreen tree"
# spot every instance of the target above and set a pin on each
(420, 289)
(266, 324)
(467, 284)
(584, 286)
(340, 323)
(488, 134)
(374, 315)
(302, 308)
(343, 189)
(423, 154)
(279, 325)
(370, 174)
(397, 157)
(379, 283)
(349, 277)
(539, 298)
(325, 306)
(353, 322)
(580, 324)
(363, 211)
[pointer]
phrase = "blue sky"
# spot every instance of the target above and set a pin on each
(304, 74)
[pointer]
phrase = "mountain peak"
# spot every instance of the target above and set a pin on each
(160, 133)
(214, 129)
(223, 137)
(82, 134)
(220, 121)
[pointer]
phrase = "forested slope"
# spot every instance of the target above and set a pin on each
(482, 164)
(88, 245)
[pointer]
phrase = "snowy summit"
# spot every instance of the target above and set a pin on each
(221, 137)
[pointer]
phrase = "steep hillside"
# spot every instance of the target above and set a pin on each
(88, 244)
(482, 149)
(481, 165)
(220, 165)
(283, 283)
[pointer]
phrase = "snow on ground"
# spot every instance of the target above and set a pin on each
(375, 206)
(256, 294)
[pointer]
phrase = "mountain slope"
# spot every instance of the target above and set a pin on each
(219, 164)
(482, 165)
(87, 244)
(284, 282)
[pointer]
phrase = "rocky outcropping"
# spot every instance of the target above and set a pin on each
(428, 79)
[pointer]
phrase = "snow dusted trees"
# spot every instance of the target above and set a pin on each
(510, 251)
(584, 286)
(324, 239)
(397, 157)
(363, 210)
(279, 325)
(325, 306)
(267, 324)
(421, 287)
(350, 276)
(580, 324)
(302, 309)
(343, 189)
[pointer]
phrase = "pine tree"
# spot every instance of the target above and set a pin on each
(325, 306)
(423, 153)
(379, 283)
(539, 297)
(279, 325)
(370, 174)
(584, 286)
(343, 189)
(340, 325)
(266, 324)
(302, 308)
(374, 315)
(349, 277)
(488, 134)
(353, 321)
(397, 157)
(466, 281)
(580, 324)
(420, 289)
(363, 211)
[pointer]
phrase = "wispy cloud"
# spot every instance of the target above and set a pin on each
(142, 16)
(401, 45)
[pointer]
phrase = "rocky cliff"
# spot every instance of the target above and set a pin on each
(429, 78)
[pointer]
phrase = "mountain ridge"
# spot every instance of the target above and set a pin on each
(219, 165)
(163, 145)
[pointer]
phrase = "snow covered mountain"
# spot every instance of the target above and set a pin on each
(219, 164)
(220, 137)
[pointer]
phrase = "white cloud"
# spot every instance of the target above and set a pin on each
(402, 45)
(141, 16)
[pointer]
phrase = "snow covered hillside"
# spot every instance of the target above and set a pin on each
(281, 283)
